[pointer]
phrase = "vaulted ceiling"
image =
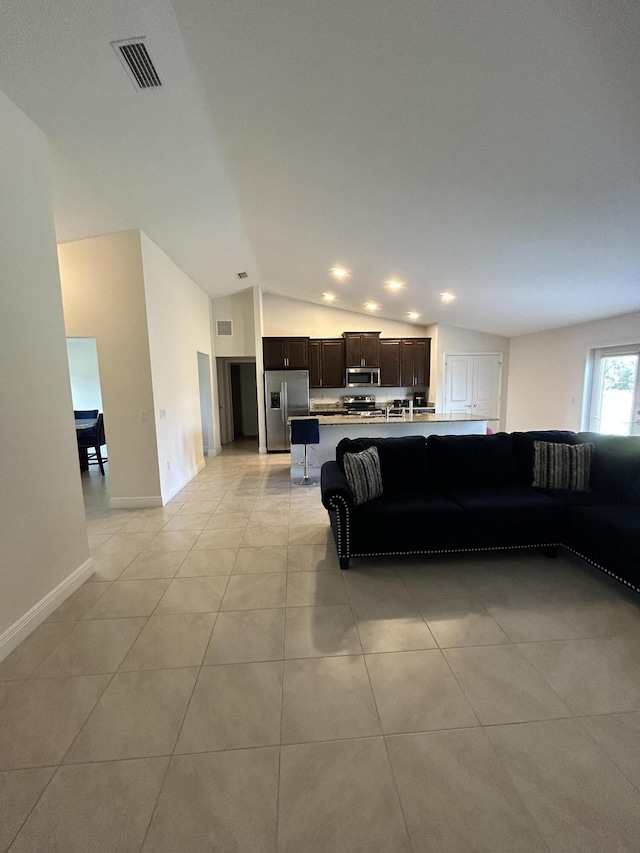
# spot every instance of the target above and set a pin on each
(489, 148)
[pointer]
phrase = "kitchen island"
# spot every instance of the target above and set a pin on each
(333, 428)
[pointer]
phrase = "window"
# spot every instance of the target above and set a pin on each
(615, 391)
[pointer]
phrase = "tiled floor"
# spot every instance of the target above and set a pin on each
(220, 685)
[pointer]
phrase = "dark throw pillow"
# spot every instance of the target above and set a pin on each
(562, 466)
(362, 471)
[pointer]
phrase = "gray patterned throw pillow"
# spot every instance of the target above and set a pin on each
(562, 466)
(362, 471)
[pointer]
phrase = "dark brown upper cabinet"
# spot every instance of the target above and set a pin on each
(390, 354)
(285, 353)
(362, 349)
(326, 363)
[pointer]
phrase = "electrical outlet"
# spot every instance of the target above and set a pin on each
(163, 413)
(143, 415)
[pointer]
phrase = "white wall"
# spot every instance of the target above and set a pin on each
(178, 328)
(103, 295)
(44, 539)
(283, 316)
(546, 381)
(239, 309)
(453, 339)
(84, 373)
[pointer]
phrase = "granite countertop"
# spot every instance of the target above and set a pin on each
(342, 420)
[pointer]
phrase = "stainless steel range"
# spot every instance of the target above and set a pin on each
(361, 404)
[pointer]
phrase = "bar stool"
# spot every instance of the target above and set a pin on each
(305, 431)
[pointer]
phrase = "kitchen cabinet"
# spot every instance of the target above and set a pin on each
(404, 363)
(415, 362)
(327, 363)
(287, 353)
(362, 349)
(390, 355)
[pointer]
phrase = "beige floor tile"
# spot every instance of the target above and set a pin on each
(624, 652)
(586, 680)
(210, 540)
(268, 519)
(312, 558)
(171, 641)
(320, 632)
(327, 698)
(192, 595)
(7, 689)
(456, 795)
(310, 534)
(197, 507)
(173, 540)
(227, 521)
(93, 647)
(242, 636)
(192, 521)
(391, 627)
(105, 807)
(619, 736)
(526, 618)
(40, 720)
(259, 537)
(218, 801)
(348, 802)
(302, 519)
(128, 598)
(97, 539)
(252, 561)
(24, 659)
(593, 616)
(233, 707)
(461, 622)
(125, 543)
(79, 602)
(144, 524)
(315, 588)
(108, 567)
(139, 715)
(149, 565)
(366, 586)
(502, 686)
(208, 563)
(254, 592)
(415, 691)
(19, 792)
(577, 796)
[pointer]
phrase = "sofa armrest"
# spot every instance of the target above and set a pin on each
(333, 484)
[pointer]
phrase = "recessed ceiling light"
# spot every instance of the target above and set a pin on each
(394, 284)
(412, 315)
(371, 306)
(447, 297)
(329, 296)
(339, 272)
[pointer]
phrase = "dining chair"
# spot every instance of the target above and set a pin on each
(85, 414)
(94, 438)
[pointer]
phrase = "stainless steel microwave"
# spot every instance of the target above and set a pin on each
(363, 377)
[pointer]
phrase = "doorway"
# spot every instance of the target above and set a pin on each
(615, 392)
(238, 399)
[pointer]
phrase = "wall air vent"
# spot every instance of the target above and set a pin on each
(224, 328)
(243, 275)
(137, 63)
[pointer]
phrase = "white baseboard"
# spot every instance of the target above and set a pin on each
(21, 629)
(262, 450)
(136, 503)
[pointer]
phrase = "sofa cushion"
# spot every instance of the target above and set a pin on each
(615, 468)
(523, 449)
(471, 460)
(403, 460)
(615, 527)
(562, 466)
(362, 471)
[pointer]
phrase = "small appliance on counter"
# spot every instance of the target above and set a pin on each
(419, 399)
(400, 404)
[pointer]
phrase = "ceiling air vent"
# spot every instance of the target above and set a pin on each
(243, 275)
(223, 328)
(137, 63)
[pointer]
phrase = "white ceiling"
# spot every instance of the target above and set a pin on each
(486, 147)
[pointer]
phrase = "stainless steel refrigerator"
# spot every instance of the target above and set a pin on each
(286, 395)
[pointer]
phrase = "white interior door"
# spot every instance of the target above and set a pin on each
(458, 396)
(486, 386)
(473, 384)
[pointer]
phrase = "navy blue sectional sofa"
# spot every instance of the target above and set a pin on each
(474, 493)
